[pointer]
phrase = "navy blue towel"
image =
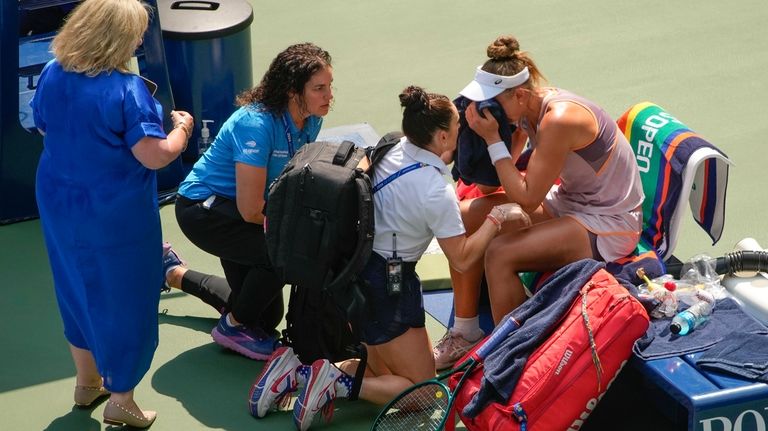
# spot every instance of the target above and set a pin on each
(471, 161)
(538, 317)
(741, 354)
(658, 342)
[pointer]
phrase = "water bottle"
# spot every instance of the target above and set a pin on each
(686, 321)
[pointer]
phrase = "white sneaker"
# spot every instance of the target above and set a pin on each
(450, 349)
(275, 383)
(317, 396)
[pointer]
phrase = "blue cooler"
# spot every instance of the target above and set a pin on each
(208, 51)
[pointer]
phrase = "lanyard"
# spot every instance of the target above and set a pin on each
(397, 174)
(288, 136)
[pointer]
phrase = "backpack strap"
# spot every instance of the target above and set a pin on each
(376, 153)
(362, 353)
(365, 231)
(356, 309)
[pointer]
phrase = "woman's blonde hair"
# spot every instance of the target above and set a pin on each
(506, 59)
(101, 36)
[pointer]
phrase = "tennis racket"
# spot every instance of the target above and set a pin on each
(427, 405)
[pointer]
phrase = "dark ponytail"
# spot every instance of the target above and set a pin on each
(424, 114)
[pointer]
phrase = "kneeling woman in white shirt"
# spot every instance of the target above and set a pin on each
(413, 203)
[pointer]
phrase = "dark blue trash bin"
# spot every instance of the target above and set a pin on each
(26, 30)
(208, 51)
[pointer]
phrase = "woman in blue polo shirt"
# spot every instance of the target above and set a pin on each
(220, 203)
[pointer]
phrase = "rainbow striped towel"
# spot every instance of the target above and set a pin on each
(676, 165)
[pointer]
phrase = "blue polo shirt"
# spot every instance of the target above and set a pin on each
(251, 135)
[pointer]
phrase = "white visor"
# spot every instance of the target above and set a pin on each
(488, 85)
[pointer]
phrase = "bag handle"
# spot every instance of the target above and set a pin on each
(343, 153)
(195, 5)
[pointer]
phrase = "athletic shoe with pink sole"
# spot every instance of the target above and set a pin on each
(253, 343)
(317, 395)
(275, 383)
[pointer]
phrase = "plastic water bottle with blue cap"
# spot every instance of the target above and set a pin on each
(694, 316)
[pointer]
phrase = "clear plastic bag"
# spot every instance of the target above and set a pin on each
(700, 271)
(664, 296)
(699, 281)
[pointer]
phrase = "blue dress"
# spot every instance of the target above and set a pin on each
(99, 213)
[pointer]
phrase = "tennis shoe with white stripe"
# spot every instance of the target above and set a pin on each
(318, 395)
(451, 348)
(276, 382)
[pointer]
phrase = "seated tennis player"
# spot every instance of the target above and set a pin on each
(594, 212)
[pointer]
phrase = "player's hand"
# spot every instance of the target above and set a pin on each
(484, 125)
(509, 212)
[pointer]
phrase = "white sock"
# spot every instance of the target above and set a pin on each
(229, 320)
(468, 327)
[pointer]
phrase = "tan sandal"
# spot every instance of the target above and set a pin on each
(115, 414)
(85, 396)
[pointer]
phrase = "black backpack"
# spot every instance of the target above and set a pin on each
(319, 234)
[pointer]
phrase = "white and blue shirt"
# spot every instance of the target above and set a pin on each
(417, 206)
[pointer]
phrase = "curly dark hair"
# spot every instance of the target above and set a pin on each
(289, 72)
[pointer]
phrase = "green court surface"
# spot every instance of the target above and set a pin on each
(704, 61)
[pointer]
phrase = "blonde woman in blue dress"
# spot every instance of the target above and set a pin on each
(97, 195)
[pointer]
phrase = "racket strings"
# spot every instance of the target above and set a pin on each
(423, 408)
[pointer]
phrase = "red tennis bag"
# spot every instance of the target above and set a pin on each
(567, 375)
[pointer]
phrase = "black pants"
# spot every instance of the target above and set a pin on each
(252, 289)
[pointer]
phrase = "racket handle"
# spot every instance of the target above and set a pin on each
(500, 333)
